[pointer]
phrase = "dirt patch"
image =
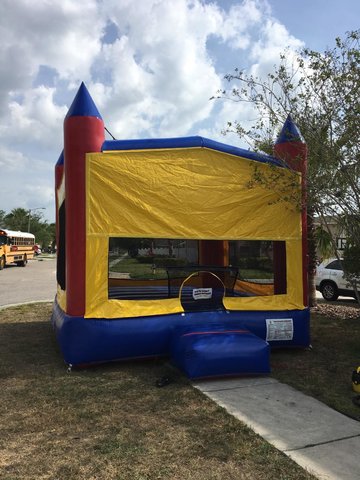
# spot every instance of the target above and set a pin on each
(340, 311)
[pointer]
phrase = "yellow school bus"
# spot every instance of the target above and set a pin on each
(16, 247)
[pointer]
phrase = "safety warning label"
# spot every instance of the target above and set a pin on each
(201, 293)
(279, 329)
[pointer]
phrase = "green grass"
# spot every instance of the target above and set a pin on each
(110, 422)
(138, 270)
(325, 370)
(255, 274)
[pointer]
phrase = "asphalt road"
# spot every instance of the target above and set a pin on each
(34, 283)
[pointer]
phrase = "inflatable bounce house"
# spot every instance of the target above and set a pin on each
(168, 247)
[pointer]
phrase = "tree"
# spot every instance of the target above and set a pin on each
(322, 93)
(2, 218)
(324, 242)
(18, 219)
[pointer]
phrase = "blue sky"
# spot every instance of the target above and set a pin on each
(151, 67)
(318, 22)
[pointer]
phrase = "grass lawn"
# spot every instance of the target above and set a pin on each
(138, 270)
(325, 371)
(110, 422)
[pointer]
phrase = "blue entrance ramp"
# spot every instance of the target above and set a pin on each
(217, 351)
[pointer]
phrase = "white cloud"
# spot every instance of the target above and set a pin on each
(35, 118)
(162, 74)
(63, 35)
(10, 160)
(239, 24)
(150, 67)
(275, 39)
(25, 182)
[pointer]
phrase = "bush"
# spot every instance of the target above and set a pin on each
(161, 261)
(351, 261)
(254, 263)
(169, 262)
(145, 259)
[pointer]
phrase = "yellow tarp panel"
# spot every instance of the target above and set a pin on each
(293, 299)
(97, 303)
(191, 193)
(61, 297)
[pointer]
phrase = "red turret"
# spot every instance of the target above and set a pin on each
(291, 148)
(83, 133)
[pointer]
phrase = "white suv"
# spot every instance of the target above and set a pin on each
(330, 280)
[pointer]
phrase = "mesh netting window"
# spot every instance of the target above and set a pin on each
(153, 268)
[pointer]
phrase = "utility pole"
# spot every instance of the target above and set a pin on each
(29, 215)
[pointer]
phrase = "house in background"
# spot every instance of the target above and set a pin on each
(329, 224)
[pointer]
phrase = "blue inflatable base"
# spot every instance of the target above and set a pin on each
(91, 340)
(218, 352)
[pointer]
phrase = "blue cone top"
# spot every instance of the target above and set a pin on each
(60, 159)
(290, 132)
(83, 105)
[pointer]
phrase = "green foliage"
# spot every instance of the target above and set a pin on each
(148, 259)
(352, 259)
(125, 244)
(321, 91)
(162, 261)
(324, 242)
(136, 269)
(351, 265)
(260, 263)
(17, 219)
(285, 185)
(169, 262)
(2, 218)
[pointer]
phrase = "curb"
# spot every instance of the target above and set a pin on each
(3, 307)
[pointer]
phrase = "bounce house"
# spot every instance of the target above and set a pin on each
(168, 247)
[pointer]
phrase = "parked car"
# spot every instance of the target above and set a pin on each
(37, 249)
(330, 280)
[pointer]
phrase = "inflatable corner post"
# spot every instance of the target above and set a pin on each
(292, 149)
(168, 247)
(83, 133)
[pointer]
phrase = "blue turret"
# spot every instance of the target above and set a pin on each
(83, 105)
(290, 132)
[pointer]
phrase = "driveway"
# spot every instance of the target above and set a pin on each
(34, 283)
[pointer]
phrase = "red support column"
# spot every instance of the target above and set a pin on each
(214, 252)
(83, 133)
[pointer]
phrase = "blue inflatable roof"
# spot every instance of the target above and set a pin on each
(187, 142)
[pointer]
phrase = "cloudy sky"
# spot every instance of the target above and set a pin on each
(150, 65)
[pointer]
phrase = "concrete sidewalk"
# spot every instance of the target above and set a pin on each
(321, 440)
